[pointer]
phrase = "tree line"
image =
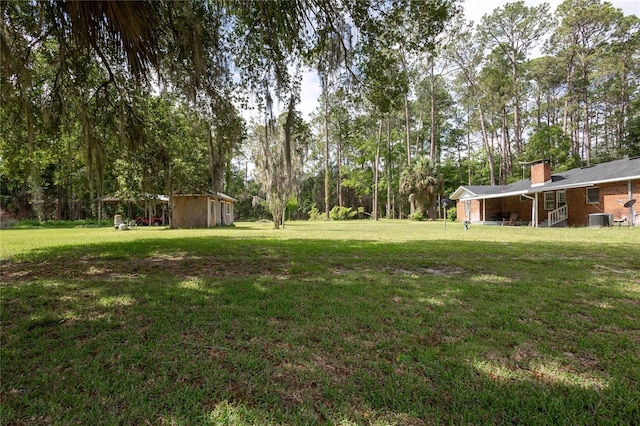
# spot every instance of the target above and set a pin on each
(146, 97)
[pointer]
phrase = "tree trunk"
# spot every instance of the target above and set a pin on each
(432, 130)
(327, 174)
(516, 108)
(339, 166)
(485, 141)
(375, 173)
(419, 149)
(388, 167)
(408, 131)
(585, 111)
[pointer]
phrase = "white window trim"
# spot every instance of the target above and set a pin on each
(553, 201)
(587, 195)
(558, 202)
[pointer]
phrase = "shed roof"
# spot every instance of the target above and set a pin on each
(613, 171)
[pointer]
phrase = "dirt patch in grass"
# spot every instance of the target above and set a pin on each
(178, 266)
(434, 271)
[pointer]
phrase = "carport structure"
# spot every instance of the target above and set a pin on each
(149, 202)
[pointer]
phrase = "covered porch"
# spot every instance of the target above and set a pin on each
(548, 209)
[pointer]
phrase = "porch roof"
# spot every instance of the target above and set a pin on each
(142, 197)
(613, 171)
(211, 194)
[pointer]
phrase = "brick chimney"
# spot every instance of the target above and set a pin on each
(540, 172)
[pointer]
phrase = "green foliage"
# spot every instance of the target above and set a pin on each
(632, 140)
(315, 214)
(345, 213)
(452, 213)
(417, 215)
(550, 142)
(422, 180)
(81, 114)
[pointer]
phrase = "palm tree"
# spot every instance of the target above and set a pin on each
(422, 181)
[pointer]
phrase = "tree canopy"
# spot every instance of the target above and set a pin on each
(147, 97)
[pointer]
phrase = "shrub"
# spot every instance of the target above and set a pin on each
(314, 213)
(417, 215)
(342, 213)
(452, 214)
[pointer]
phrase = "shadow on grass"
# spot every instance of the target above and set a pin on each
(238, 331)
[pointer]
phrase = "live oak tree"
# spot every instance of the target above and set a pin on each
(278, 153)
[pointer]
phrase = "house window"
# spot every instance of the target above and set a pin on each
(549, 201)
(228, 208)
(593, 195)
(561, 199)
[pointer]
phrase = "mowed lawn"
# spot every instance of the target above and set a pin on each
(350, 323)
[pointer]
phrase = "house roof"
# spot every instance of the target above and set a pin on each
(613, 171)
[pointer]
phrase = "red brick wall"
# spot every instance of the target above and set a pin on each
(475, 210)
(540, 172)
(515, 205)
(461, 212)
(610, 193)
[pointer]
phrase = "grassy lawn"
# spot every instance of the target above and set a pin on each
(348, 323)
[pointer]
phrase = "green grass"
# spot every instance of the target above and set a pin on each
(394, 322)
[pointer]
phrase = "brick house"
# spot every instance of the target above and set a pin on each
(578, 197)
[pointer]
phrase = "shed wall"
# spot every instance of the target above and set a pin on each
(190, 211)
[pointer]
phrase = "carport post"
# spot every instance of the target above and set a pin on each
(534, 209)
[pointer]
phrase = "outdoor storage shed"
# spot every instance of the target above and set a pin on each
(202, 210)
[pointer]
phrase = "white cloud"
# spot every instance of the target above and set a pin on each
(309, 94)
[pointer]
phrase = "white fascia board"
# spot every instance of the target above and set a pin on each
(615, 180)
(587, 184)
(489, 196)
(459, 193)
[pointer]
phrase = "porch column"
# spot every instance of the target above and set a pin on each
(632, 219)
(535, 211)
(484, 210)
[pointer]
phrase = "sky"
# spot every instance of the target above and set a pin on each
(473, 10)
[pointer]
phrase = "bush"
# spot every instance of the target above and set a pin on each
(342, 213)
(452, 214)
(417, 215)
(314, 213)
